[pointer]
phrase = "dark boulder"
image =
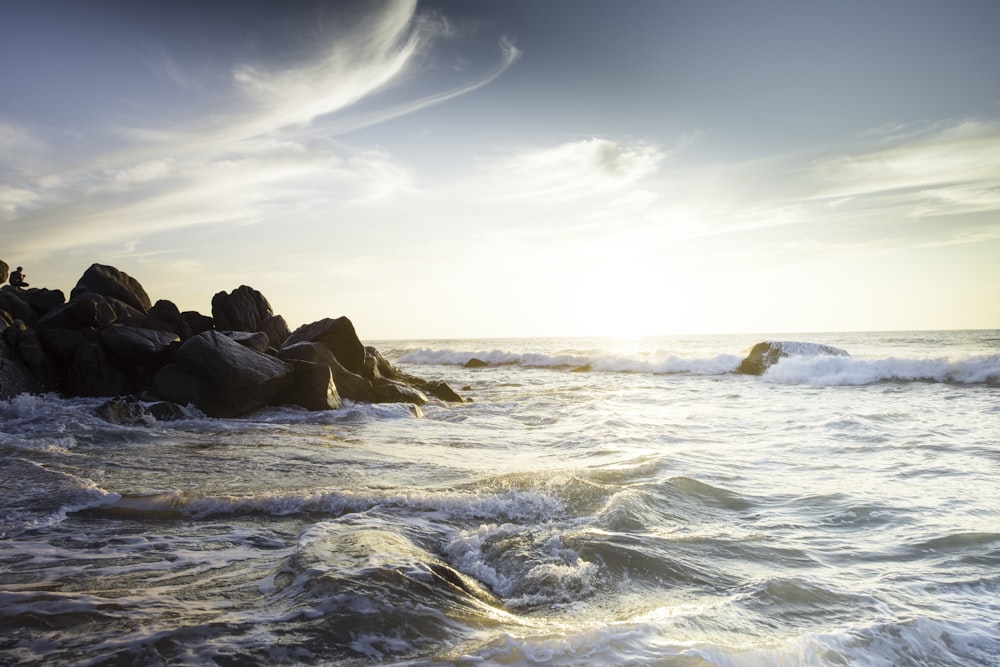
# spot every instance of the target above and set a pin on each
(15, 379)
(243, 309)
(276, 329)
(475, 363)
(85, 309)
(13, 302)
(4, 271)
(312, 387)
(256, 340)
(109, 281)
(349, 385)
(197, 322)
(221, 377)
(126, 314)
(131, 411)
(147, 347)
(165, 316)
(391, 391)
(43, 300)
(338, 336)
(62, 343)
(765, 354)
(92, 374)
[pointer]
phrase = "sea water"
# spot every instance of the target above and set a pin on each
(598, 502)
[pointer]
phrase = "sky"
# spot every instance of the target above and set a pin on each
(505, 168)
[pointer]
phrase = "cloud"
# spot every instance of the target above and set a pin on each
(943, 170)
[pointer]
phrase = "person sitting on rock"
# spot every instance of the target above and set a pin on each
(17, 278)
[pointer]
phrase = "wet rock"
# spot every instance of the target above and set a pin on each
(349, 385)
(93, 374)
(312, 387)
(767, 353)
(338, 336)
(475, 363)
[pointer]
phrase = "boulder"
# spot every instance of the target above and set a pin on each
(349, 385)
(767, 353)
(92, 374)
(276, 329)
(475, 363)
(109, 281)
(147, 347)
(62, 343)
(197, 322)
(221, 377)
(338, 336)
(131, 411)
(14, 303)
(43, 300)
(15, 379)
(312, 387)
(4, 271)
(257, 340)
(85, 309)
(126, 314)
(391, 391)
(243, 309)
(165, 316)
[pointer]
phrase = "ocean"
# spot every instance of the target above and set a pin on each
(598, 502)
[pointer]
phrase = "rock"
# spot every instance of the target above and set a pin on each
(312, 387)
(147, 347)
(126, 314)
(257, 340)
(276, 329)
(165, 316)
(85, 309)
(221, 377)
(131, 411)
(15, 379)
(92, 374)
(349, 385)
(339, 337)
(475, 363)
(62, 344)
(391, 391)
(43, 300)
(197, 322)
(382, 365)
(765, 354)
(126, 411)
(441, 390)
(12, 302)
(110, 282)
(4, 271)
(243, 309)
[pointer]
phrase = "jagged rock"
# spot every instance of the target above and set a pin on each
(165, 316)
(349, 385)
(110, 282)
(475, 363)
(221, 377)
(765, 354)
(146, 347)
(338, 336)
(312, 387)
(243, 309)
(92, 374)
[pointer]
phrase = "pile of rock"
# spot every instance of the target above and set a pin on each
(108, 339)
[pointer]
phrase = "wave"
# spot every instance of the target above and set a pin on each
(659, 363)
(830, 370)
(793, 369)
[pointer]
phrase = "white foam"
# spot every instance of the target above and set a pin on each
(832, 370)
(659, 362)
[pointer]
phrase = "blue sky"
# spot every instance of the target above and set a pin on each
(514, 168)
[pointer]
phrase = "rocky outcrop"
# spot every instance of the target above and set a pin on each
(109, 340)
(765, 354)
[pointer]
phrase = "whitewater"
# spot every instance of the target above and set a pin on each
(598, 502)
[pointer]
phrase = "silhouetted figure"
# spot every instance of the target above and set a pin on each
(17, 278)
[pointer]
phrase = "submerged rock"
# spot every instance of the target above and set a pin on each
(765, 354)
